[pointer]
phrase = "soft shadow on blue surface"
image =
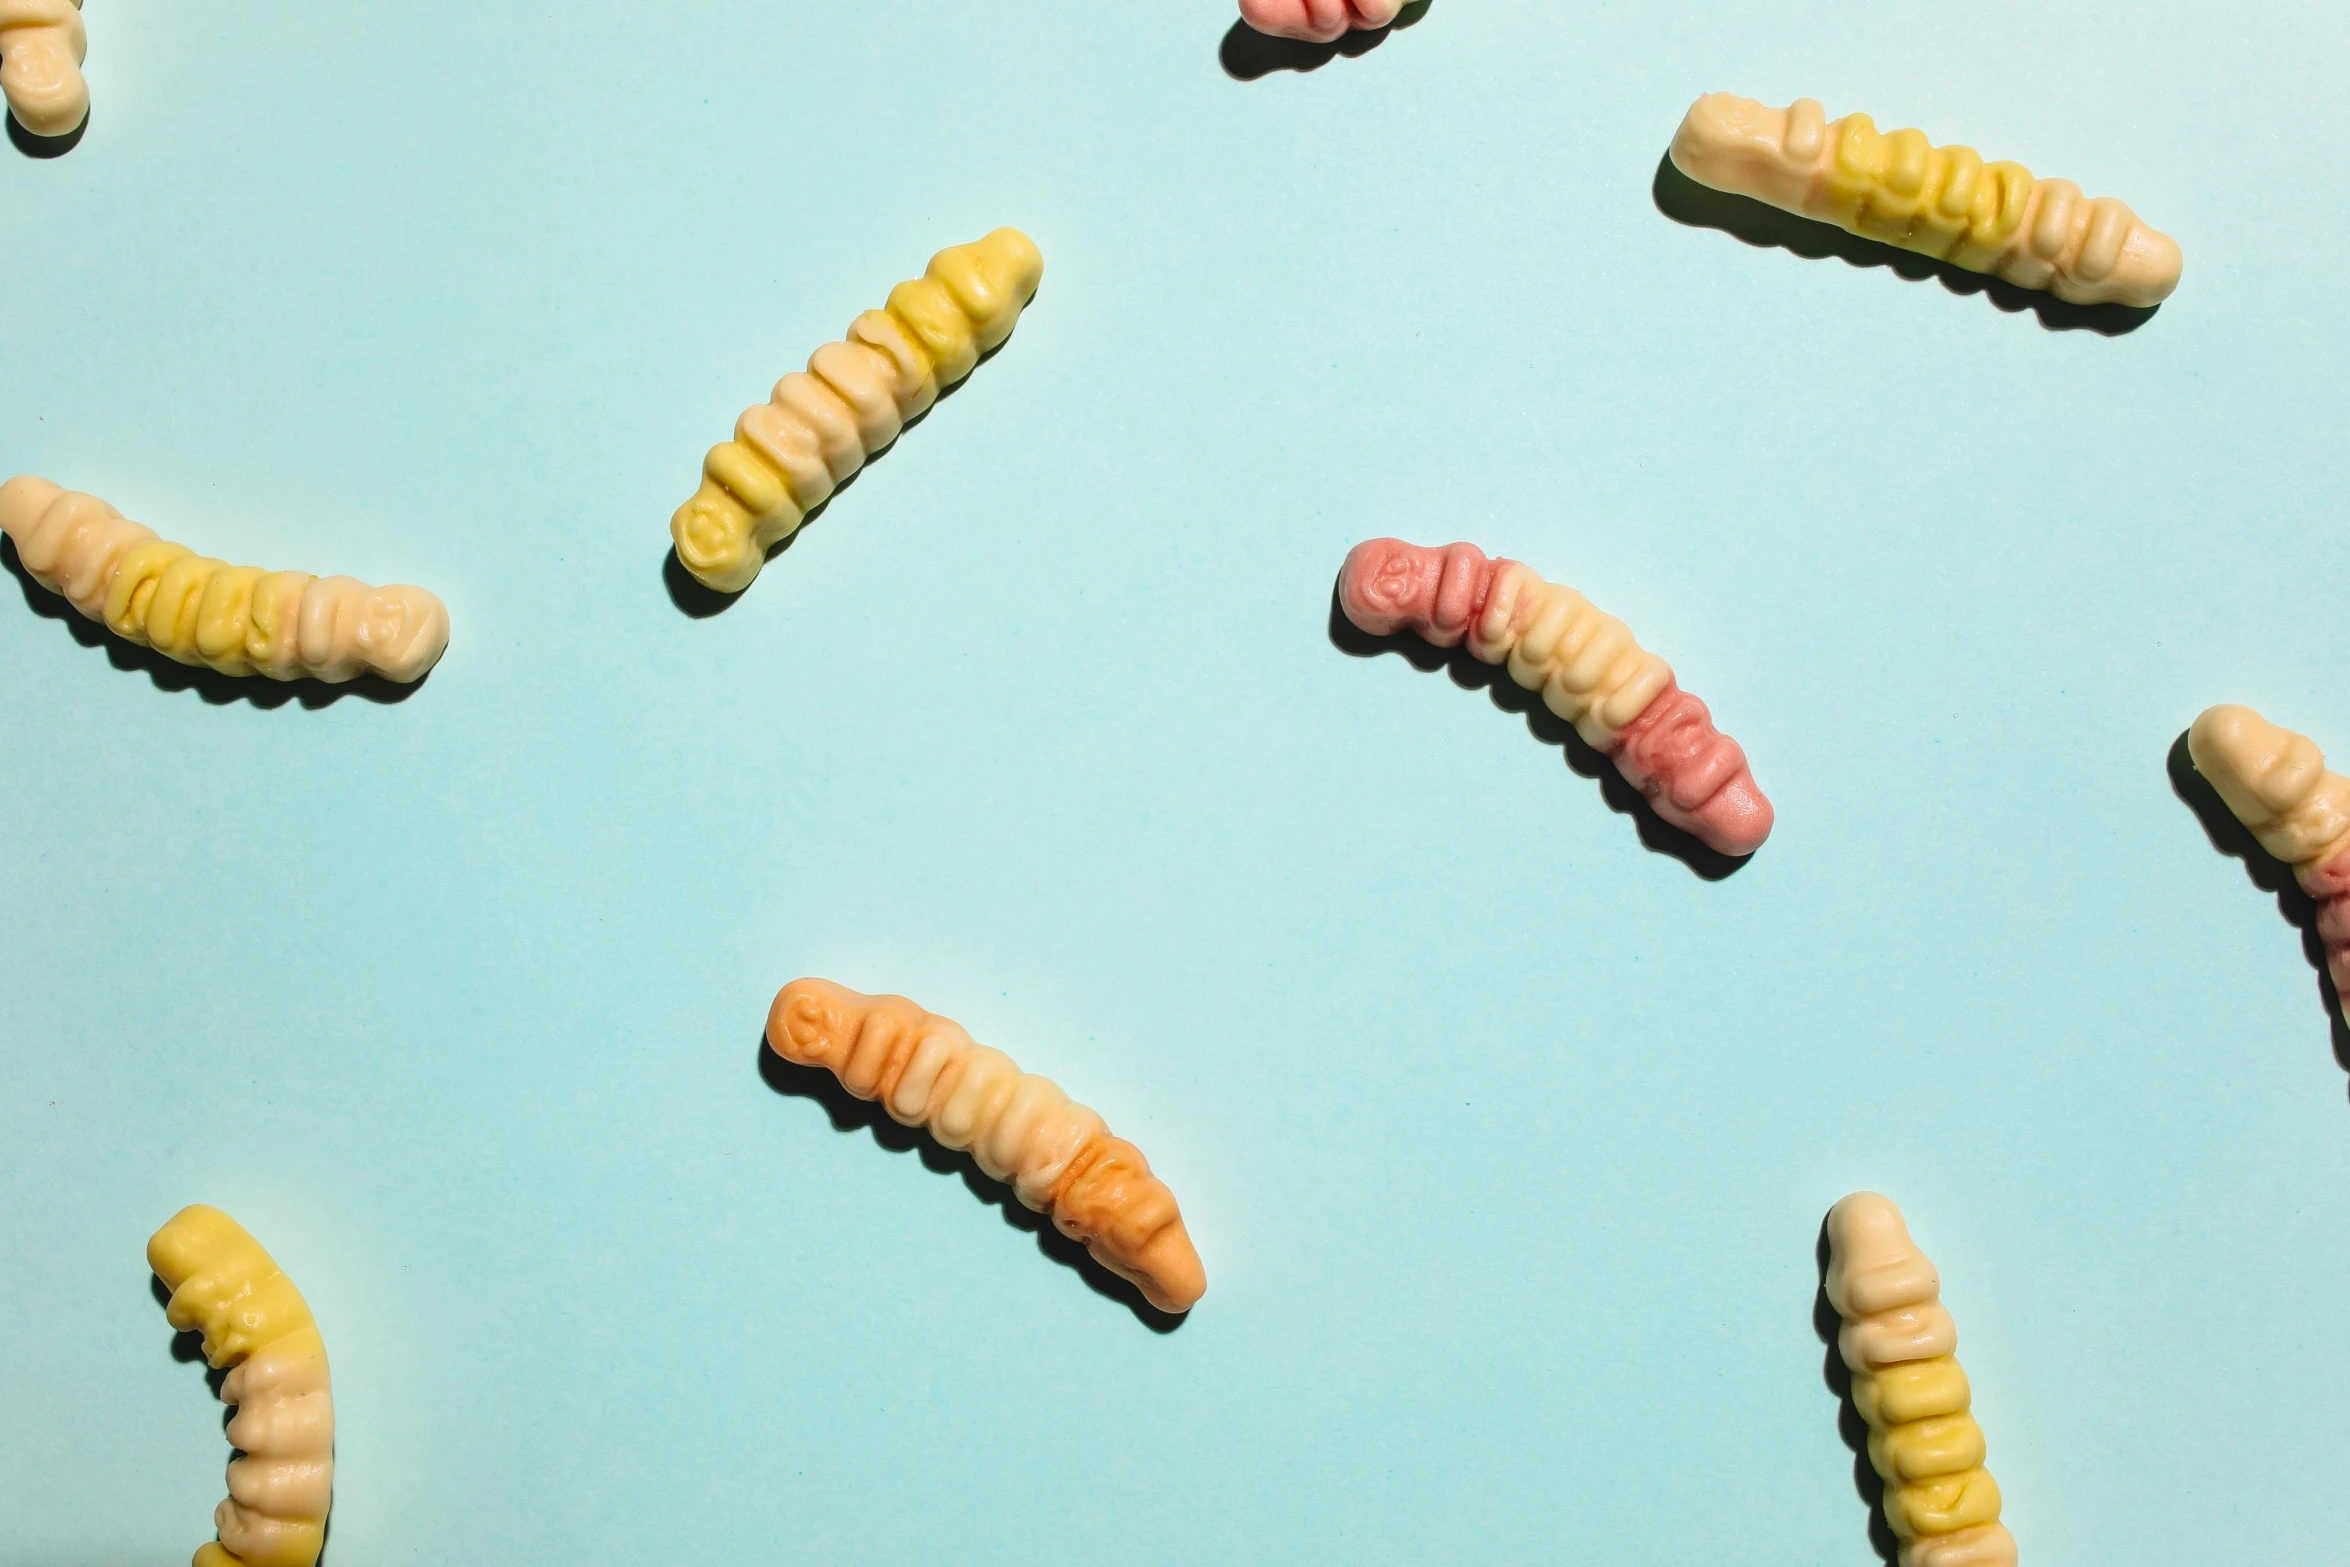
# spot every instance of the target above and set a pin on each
(1248, 55)
(171, 675)
(1473, 674)
(1849, 1425)
(2270, 874)
(850, 1115)
(1766, 227)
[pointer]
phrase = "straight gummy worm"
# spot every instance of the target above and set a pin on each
(792, 451)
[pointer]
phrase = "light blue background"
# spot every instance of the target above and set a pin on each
(1505, 1139)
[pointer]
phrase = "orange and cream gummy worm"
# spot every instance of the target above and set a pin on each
(1058, 1155)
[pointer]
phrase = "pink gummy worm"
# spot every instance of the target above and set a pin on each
(2329, 883)
(1695, 776)
(1318, 21)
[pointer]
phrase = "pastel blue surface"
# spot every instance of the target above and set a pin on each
(1505, 1138)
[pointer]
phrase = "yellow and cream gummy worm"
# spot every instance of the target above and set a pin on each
(239, 620)
(256, 1327)
(1901, 1346)
(792, 451)
(1944, 202)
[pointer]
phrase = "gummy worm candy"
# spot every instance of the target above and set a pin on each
(1621, 699)
(1319, 21)
(793, 450)
(1058, 1156)
(41, 48)
(239, 620)
(1897, 1338)
(255, 1324)
(2276, 783)
(1944, 202)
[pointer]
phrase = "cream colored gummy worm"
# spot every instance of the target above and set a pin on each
(239, 620)
(41, 49)
(1584, 663)
(1900, 1343)
(792, 451)
(256, 1324)
(2276, 783)
(1944, 202)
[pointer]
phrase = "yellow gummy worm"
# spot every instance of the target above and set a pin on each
(793, 450)
(255, 1324)
(1944, 202)
(239, 620)
(1900, 1343)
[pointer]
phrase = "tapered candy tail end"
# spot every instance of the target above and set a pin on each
(1735, 821)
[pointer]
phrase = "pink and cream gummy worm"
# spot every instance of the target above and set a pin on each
(1586, 666)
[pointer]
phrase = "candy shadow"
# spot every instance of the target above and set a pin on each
(1248, 55)
(1849, 1425)
(850, 1115)
(1766, 227)
(1471, 673)
(209, 684)
(33, 146)
(188, 1348)
(697, 600)
(2270, 874)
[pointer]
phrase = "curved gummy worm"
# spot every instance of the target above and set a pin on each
(41, 49)
(1319, 21)
(792, 451)
(239, 620)
(1621, 699)
(1944, 202)
(2276, 783)
(1058, 1156)
(1899, 1341)
(256, 1326)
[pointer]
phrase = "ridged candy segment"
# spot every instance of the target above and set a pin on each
(2277, 784)
(239, 620)
(255, 1325)
(1586, 666)
(42, 44)
(1319, 21)
(795, 449)
(1058, 1155)
(1907, 1386)
(1944, 202)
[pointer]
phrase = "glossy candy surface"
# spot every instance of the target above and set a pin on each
(1318, 21)
(792, 451)
(1621, 698)
(42, 44)
(258, 1329)
(1901, 1346)
(1058, 1155)
(239, 620)
(1944, 202)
